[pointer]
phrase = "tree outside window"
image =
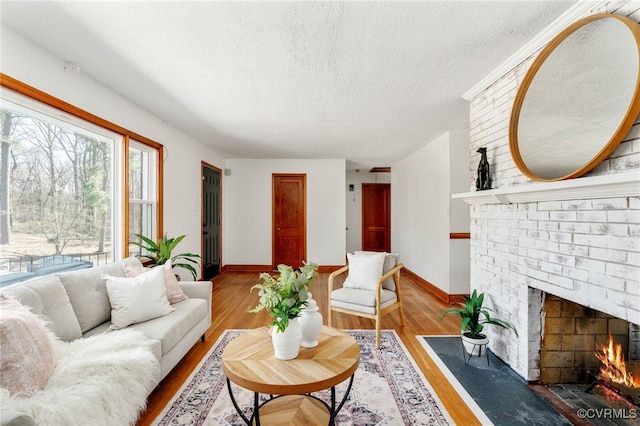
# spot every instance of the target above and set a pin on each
(56, 195)
(62, 203)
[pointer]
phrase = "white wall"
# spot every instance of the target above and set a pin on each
(423, 214)
(459, 249)
(28, 63)
(247, 199)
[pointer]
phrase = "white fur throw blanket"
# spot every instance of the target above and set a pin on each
(98, 380)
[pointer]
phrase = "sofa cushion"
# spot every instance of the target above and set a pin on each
(87, 292)
(27, 357)
(103, 328)
(138, 299)
(47, 298)
(170, 329)
(174, 291)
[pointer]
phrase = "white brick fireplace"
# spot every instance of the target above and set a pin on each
(578, 239)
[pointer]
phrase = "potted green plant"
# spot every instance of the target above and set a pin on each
(284, 296)
(160, 251)
(474, 317)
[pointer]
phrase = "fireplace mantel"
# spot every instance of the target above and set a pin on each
(592, 187)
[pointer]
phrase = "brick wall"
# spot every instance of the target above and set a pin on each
(571, 332)
(587, 251)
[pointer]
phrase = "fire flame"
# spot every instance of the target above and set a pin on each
(613, 365)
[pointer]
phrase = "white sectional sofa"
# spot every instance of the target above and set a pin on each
(75, 306)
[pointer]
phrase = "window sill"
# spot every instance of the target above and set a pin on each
(605, 186)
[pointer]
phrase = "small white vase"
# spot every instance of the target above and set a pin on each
(475, 347)
(286, 345)
(311, 322)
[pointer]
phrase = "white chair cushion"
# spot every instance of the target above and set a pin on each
(390, 262)
(364, 271)
(361, 300)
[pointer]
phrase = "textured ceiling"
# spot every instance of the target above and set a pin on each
(370, 82)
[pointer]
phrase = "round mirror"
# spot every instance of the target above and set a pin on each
(578, 100)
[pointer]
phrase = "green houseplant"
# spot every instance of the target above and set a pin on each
(284, 296)
(474, 317)
(160, 251)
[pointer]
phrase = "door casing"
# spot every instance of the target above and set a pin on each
(376, 217)
(289, 227)
(211, 215)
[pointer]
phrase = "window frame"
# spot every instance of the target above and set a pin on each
(151, 182)
(121, 170)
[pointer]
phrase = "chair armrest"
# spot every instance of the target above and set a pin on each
(393, 271)
(335, 274)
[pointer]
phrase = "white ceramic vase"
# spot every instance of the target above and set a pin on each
(475, 347)
(311, 323)
(286, 345)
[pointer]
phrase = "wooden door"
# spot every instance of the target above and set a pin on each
(376, 217)
(289, 219)
(211, 221)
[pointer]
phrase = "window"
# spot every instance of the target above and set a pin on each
(142, 192)
(62, 177)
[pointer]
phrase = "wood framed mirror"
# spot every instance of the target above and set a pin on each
(578, 100)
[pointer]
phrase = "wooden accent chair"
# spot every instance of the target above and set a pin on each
(374, 299)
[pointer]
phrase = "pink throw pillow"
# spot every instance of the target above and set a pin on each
(175, 293)
(27, 357)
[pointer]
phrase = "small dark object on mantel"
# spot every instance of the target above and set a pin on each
(483, 181)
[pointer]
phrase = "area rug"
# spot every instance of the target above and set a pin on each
(388, 389)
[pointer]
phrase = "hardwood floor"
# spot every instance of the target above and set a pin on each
(232, 300)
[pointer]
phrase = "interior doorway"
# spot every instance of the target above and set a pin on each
(289, 219)
(211, 220)
(376, 217)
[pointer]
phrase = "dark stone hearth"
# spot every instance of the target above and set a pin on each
(500, 392)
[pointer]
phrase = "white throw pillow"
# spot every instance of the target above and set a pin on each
(364, 271)
(175, 293)
(137, 299)
(390, 262)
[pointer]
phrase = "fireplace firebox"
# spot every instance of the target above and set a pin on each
(583, 346)
(571, 333)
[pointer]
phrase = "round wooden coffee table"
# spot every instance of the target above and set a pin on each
(249, 362)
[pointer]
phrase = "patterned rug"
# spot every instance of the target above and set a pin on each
(389, 389)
